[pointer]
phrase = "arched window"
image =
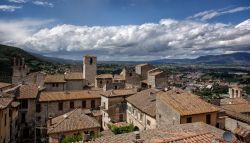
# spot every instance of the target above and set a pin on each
(91, 61)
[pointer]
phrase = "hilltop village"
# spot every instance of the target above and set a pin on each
(141, 105)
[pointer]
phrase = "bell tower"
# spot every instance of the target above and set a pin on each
(89, 68)
(20, 69)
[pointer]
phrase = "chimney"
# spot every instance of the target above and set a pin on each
(50, 121)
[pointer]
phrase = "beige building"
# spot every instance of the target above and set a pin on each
(27, 96)
(20, 69)
(89, 69)
(113, 106)
(141, 109)
(103, 79)
(74, 81)
(8, 119)
(55, 82)
(235, 92)
(157, 79)
(142, 70)
(70, 123)
(179, 107)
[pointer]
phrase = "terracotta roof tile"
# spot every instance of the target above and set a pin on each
(74, 76)
(104, 76)
(186, 103)
(72, 121)
(57, 78)
(5, 101)
(118, 77)
(189, 133)
(28, 91)
(145, 101)
(68, 95)
(141, 65)
(119, 92)
(3, 84)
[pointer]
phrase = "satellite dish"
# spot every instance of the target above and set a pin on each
(227, 136)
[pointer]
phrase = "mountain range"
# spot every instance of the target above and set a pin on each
(7, 53)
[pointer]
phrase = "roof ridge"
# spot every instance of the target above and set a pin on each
(64, 118)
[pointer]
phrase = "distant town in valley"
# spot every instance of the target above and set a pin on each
(57, 101)
(124, 71)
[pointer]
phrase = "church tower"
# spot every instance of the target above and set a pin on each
(20, 69)
(89, 68)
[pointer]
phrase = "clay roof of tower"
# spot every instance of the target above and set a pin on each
(69, 95)
(119, 92)
(28, 91)
(74, 76)
(144, 101)
(57, 78)
(3, 84)
(141, 65)
(75, 120)
(118, 77)
(186, 103)
(104, 76)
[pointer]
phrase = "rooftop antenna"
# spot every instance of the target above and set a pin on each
(227, 136)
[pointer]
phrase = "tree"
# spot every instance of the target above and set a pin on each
(73, 138)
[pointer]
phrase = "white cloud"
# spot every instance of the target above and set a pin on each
(9, 8)
(43, 3)
(18, 1)
(206, 15)
(168, 38)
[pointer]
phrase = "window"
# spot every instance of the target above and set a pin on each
(91, 61)
(100, 81)
(72, 105)
(24, 104)
(208, 118)
(141, 116)
(189, 120)
(107, 82)
(92, 103)
(60, 106)
(84, 104)
(148, 122)
(5, 119)
(121, 117)
(115, 87)
(130, 74)
(55, 84)
(23, 116)
(38, 108)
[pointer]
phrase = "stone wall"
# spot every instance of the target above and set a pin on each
(89, 68)
(51, 87)
(4, 125)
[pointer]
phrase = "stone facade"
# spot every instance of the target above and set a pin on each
(55, 86)
(131, 78)
(52, 109)
(167, 115)
(157, 79)
(89, 68)
(143, 69)
(4, 125)
(101, 82)
(235, 92)
(139, 119)
(112, 110)
(20, 69)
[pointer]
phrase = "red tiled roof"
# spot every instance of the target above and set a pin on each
(186, 103)
(57, 78)
(28, 91)
(104, 76)
(74, 120)
(74, 76)
(3, 84)
(119, 92)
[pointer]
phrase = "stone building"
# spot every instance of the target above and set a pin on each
(131, 78)
(89, 69)
(142, 70)
(20, 69)
(55, 82)
(113, 106)
(71, 123)
(141, 109)
(179, 107)
(74, 81)
(27, 96)
(103, 79)
(235, 92)
(157, 79)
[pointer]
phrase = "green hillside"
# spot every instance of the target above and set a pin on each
(34, 62)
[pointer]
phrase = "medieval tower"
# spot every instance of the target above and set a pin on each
(89, 68)
(20, 69)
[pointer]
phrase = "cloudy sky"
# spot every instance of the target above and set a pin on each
(126, 29)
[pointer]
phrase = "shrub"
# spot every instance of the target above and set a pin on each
(73, 138)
